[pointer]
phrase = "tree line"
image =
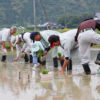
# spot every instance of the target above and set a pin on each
(72, 21)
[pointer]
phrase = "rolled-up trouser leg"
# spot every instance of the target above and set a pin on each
(69, 66)
(86, 68)
(4, 58)
(26, 58)
(31, 59)
(55, 62)
(98, 59)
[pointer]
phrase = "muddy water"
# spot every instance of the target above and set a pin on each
(19, 81)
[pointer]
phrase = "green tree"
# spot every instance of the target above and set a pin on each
(72, 21)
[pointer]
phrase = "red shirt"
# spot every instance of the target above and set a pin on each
(88, 24)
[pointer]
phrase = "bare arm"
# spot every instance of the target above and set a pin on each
(64, 65)
(24, 47)
(10, 44)
(46, 50)
(18, 52)
(66, 55)
(3, 44)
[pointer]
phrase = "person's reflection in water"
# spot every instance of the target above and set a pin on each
(42, 91)
(13, 78)
(71, 90)
(96, 91)
(59, 87)
(86, 88)
(8, 81)
(48, 89)
(4, 78)
(69, 72)
(24, 77)
(19, 79)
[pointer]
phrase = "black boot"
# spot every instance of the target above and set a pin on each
(69, 66)
(55, 62)
(26, 58)
(31, 59)
(86, 68)
(98, 59)
(3, 58)
(62, 62)
(42, 63)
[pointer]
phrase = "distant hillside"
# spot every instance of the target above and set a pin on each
(20, 12)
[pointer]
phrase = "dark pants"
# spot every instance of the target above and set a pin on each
(98, 59)
(55, 63)
(69, 66)
(42, 63)
(31, 59)
(28, 58)
(4, 58)
(86, 68)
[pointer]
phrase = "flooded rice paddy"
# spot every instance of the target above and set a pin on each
(19, 81)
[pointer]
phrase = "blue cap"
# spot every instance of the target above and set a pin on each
(33, 34)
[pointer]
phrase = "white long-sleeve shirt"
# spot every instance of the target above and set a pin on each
(5, 35)
(27, 44)
(45, 35)
(67, 41)
(44, 40)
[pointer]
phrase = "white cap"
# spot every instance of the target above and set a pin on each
(14, 28)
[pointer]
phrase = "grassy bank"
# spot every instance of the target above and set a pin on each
(96, 46)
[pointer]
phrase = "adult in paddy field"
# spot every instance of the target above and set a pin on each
(26, 40)
(5, 36)
(29, 38)
(86, 35)
(44, 35)
(67, 42)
